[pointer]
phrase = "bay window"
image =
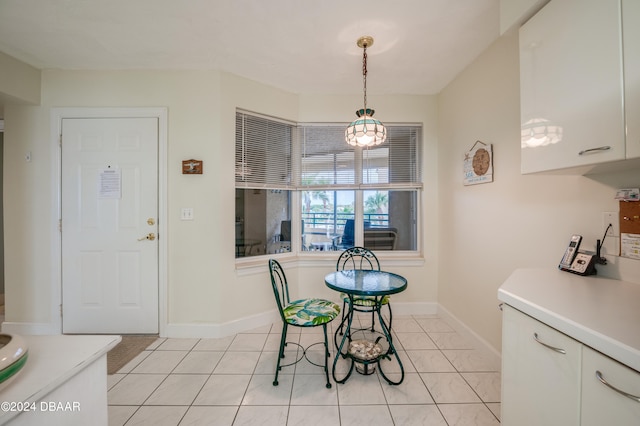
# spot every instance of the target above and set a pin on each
(344, 196)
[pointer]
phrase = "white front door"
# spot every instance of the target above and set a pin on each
(109, 210)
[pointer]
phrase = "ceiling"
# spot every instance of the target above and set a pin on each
(300, 46)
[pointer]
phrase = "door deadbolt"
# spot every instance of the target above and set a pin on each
(151, 221)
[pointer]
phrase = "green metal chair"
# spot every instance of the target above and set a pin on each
(300, 313)
(360, 258)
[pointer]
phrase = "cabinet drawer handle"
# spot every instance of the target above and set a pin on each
(553, 348)
(590, 150)
(621, 392)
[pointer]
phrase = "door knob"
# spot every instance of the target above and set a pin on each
(150, 236)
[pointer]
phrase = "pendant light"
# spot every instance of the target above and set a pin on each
(365, 130)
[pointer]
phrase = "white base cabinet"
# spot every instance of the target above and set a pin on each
(615, 403)
(550, 379)
(540, 379)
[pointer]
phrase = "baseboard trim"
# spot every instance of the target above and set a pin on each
(200, 330)
(464, 330)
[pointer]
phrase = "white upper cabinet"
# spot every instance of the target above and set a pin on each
(571, 85)
(631, 43)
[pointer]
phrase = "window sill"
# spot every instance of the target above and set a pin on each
(258, 264)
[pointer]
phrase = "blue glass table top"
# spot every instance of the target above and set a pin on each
(361, 282)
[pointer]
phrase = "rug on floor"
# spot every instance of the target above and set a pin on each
(126, 350)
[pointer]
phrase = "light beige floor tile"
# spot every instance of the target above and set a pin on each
(327, 415)
(198, 362)
(209, 416)
(113, 379)
(261, 390)
(434, 325)
(134, 389)
(177, 389)
(495, 408)
(472, 360)
(157, 416)
(237, 363)
(416, 415)
(267, 363)
(355, 415)
(412, 390)
(135, 362)
(449, 388)
(311, 389)
(391, 365)
(406, 325)
(249, 415)
(160, 362)
(248, 342)
(361, 390)
(413, 341)
(451, 341)
(119, 414)
(155, 344)
(468, 415)
(220, 344)
(223, 390)
(486, 385)
(229, 380)
(430, 361)
(176, 344)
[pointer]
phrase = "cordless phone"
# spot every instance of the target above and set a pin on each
(577, 262)
(571, 252)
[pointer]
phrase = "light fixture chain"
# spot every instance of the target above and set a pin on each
(364, 76)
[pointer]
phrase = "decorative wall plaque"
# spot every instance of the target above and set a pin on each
(192, 167)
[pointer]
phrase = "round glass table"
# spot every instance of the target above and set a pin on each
(366, 351)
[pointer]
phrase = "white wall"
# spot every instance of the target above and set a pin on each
(204, 289)
(488, 230)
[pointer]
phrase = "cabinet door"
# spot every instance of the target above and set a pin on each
(631, 42)
(601, 404)
(571, 85)
(540, 384)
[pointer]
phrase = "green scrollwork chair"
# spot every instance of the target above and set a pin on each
(300, 313)
(360, 258)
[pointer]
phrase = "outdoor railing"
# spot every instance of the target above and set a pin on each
(335, 222)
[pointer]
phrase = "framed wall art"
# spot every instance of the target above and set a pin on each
(478, 164)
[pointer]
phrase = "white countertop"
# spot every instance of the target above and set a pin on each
(52, 361)
(601, 313)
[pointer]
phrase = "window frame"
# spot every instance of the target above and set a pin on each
(359, 186)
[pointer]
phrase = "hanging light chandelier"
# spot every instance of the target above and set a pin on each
(365, 130)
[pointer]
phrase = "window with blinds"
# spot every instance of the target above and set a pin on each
(334, 184)
(327, 161)
(263, 151)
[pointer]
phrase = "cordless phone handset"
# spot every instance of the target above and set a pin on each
(571, 252)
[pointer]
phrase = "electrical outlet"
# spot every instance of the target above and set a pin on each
(611, 218)
(186, 214)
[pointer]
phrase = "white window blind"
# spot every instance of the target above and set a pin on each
(263, 151)
(328, 162)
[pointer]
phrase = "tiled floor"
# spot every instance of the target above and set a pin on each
(228, 381)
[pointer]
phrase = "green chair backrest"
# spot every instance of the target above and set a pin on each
(280, 285)
(357, 258)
